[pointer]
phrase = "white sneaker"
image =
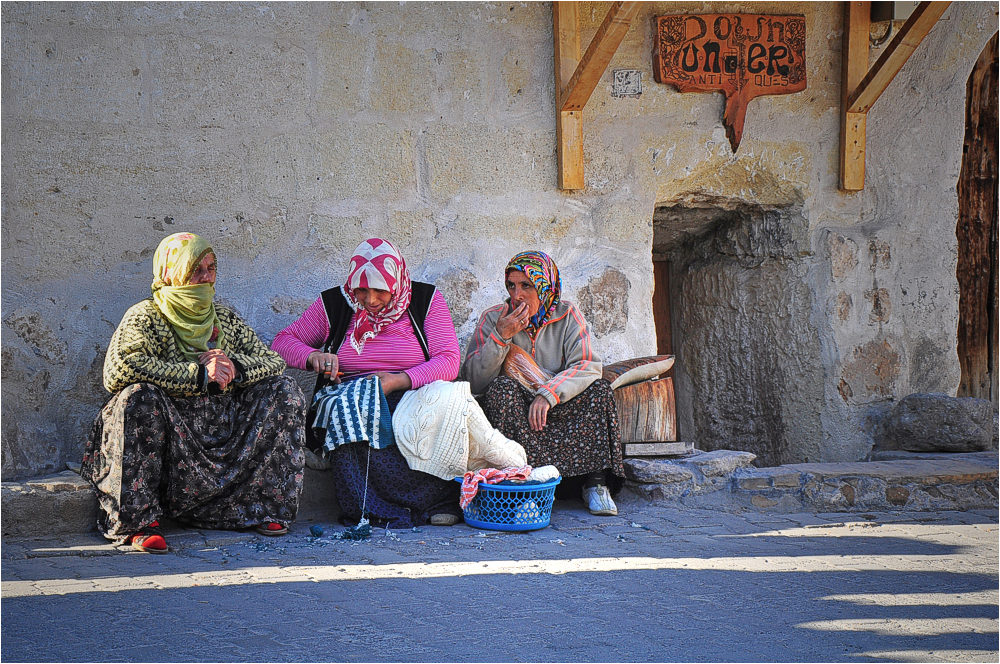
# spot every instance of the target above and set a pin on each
(598, 499)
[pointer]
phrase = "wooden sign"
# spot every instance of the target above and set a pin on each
(743, 55)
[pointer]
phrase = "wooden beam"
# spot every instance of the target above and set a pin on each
(569, 124)
(576, 78)
(896, 54)
(602, 48)
(857, 16)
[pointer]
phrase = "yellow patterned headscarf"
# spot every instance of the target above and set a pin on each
(188, 307)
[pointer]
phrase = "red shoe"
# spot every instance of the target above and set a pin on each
(149, 540)
(271, 529)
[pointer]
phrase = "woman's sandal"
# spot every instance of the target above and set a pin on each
(444, 520)
(149, 540)
(271, 529)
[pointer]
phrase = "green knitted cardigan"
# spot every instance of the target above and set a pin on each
(144, 350)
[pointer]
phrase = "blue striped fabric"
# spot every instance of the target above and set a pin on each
(355, 411)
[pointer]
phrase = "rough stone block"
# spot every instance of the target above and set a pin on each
(473, 159)
(672, 491)
(753, 483)
(356, 162)
(59, 504)
(340, 55)
(412, 93)
(786, 479)
(897, 495)
(763, 502)
(721, 462)
(939, 423)
(240, 83)
(604, 302)
(656, 471)
(847, 491)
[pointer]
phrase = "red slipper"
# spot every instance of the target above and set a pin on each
(149, 540)
(271, 529)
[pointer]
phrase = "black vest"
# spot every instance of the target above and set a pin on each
(339, 312)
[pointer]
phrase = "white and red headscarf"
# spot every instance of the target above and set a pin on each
(377, 264)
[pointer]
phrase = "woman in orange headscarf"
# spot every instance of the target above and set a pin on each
(570, 419)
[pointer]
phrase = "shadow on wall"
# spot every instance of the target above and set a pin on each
(748, 370)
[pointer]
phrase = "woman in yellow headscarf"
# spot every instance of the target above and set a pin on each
(202, 426)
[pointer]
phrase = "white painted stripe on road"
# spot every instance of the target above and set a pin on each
(255, 575)
(986, 597)
(921, 656)
(906, 626)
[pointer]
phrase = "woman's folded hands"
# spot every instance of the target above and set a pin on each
(218, 366)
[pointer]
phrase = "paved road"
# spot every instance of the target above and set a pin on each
(656, 584)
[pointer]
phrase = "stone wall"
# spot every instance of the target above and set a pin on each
(286, 133)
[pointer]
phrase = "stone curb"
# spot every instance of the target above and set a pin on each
(915, 482)
(64, 503)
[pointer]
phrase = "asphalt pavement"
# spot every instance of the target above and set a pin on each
(656, 583)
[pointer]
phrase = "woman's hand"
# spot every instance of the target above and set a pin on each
(391, 382)
(538, 413)
(324, 363)
(514, 322)
(218, 366)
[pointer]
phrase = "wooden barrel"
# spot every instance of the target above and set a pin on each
(646, 411)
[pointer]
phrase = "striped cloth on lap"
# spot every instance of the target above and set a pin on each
(352, 412)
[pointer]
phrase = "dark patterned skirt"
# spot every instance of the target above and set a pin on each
(381, 484)
(383, 487)
(580, 436)
(229, 461)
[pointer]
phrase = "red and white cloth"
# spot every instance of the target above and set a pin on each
(470, 481)
(377, 264)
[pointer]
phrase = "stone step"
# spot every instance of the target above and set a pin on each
(65, 503)
(676, 449)
(723, 479)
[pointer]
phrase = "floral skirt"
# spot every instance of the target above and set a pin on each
(580, 436)
(228, 461)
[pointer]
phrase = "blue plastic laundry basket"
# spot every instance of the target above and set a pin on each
(511, 506)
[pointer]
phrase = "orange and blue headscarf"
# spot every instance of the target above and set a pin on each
(543, 274)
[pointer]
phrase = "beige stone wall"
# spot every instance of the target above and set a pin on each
(286, 133)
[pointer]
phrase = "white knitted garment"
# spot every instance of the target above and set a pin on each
(441, 430)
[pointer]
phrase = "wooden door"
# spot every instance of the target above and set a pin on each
(977, 233)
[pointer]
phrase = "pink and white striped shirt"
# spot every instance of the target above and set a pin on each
(395, 349)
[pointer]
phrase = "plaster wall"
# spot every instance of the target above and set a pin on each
(287, 133)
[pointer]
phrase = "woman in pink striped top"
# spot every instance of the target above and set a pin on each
(381, 323)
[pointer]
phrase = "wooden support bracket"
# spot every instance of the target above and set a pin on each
(852, 125)
(576, 77)
(862, 88)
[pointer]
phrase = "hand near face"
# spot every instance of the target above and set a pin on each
(524, 304)
(514, 322)
(218, 366)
